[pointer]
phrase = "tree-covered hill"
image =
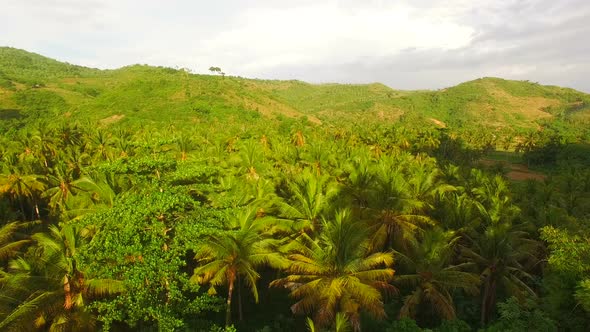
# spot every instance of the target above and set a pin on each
(33, 83)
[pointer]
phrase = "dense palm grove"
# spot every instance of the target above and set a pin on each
(146, 199)
(285, 227)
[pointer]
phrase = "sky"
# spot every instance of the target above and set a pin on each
(412, 44)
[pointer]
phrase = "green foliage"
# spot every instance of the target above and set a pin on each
(137, 241)
(405, 325)
(5, 82)
(39, 100)
(570, 264)
(583, 294)
(455, 325)
(217, 328)
(521, 317)
(32, 69)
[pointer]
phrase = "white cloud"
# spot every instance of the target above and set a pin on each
(328, 33)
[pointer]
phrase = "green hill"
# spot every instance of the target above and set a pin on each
(31, 83)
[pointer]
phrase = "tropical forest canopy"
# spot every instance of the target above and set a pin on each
(153, 199)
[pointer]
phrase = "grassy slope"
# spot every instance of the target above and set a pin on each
(33, 83)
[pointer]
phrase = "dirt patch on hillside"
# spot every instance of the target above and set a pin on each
(381, 113)
(179, 96)
(271, 108)
(516, 172)
(111, 119)
(439, 123)
(385, 113)
(528, 175)
(7, 100)
(583, 115)
(530, 107)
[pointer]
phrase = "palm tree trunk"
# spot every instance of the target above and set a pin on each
(22, 207)
(229, 295)
(488, 301)
(240, 298)
(37, 210)
(484, 300)
(67, 293)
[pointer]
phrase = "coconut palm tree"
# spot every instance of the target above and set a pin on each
(359, 182)
(425, 182)
(100, 144)
(45, 139)
(234, 256)
(309, 197)
(123, 143)
(459, 212)
(46, 290)
(431, 275)
(340, 324)
(12, 240)
(396, 216)
(502, 248)
(503, 252)
(70, 135)
(319, 155)
(184, 145)
(250, 159)
(63, 185)
(22, 188)
(337, 273)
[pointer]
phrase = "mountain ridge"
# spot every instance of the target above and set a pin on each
(32, 82)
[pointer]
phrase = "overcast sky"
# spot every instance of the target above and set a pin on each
(413, 44)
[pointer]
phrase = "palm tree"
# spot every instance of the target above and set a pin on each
(431, 275)
(47, 290)
(458, 212)
(70, 135)
(184, 145)
(29, 151)
(22, 187)
(359, 182)
(340, 324)
(250, 156)
(11, 241)
(425, 182)
(501, 252)
(298, 139)
(319, 155)
(63, 185)
(427, 141)
(396, 216)
(230, 257)
(123, 143)
(45, 138)
(501, 248)
(337, 273)
(100, 143)
(310, 195)
(107, 184)
(73, 160)
(527, 142)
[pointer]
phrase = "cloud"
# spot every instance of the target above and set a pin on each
(405, 44)
(325, 33)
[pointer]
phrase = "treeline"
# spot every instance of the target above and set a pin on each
(289, 227)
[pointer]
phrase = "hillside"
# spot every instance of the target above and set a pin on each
(31, 83)
(152, 199)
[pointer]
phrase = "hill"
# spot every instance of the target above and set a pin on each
(31, 83)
